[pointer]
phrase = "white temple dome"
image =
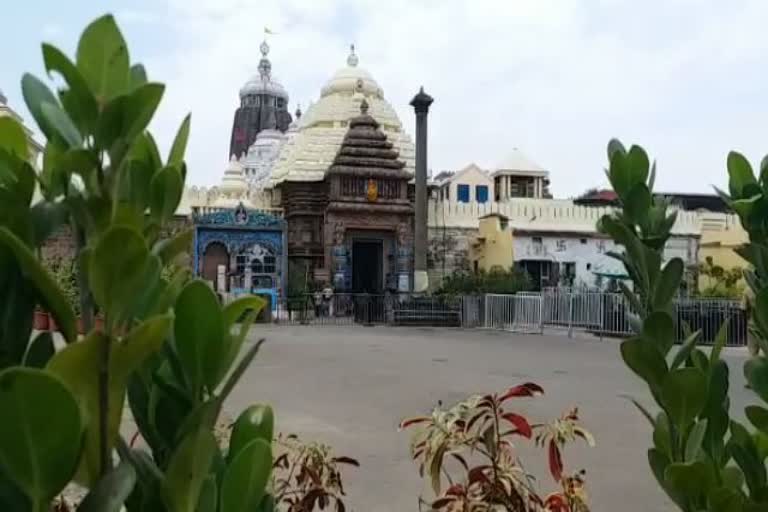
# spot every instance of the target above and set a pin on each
(309, 152)
(264, 82)
(352, 79)
(233, 181)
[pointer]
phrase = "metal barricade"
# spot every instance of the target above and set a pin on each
(517, 313)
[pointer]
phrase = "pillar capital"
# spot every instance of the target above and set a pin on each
(421, 102)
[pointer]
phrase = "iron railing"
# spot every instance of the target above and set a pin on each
(599, 313)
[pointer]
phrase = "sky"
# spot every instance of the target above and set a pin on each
(686, 79)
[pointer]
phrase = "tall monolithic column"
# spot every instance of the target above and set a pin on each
(420, 104)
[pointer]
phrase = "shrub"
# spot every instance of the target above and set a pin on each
(497, 280)
(477, 435)
(701, 457)
(167, 344)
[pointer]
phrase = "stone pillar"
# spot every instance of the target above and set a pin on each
(420, 104)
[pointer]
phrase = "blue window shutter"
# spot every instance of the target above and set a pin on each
(481, 193)
(462, 193)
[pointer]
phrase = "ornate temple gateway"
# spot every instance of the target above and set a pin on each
(354, 228)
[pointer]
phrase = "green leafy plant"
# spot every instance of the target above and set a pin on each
(719, 281)
(477, 435)
(497, 280)
(701, 456)
(166, 344)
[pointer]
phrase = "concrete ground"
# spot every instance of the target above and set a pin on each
(350, 386)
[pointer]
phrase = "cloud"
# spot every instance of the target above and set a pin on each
(556, 78)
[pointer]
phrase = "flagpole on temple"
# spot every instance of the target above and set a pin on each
(420, 104)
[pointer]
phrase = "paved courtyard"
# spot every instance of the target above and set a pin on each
(349, 387)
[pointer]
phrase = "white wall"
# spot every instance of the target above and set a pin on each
(591, 256)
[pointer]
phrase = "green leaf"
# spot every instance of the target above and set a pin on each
(637, 161)
(255, 422)
(122, 267)
(36, 94)
(40, 351)
(685, 350)
(12, 137)
(732, 477)
(756, 372)
(719, 343)
(637, 203)
(209, 496)
(758, 416)
(246, 477)
(683, 395)
(234, 341)
(644, 359)
(138, 76)
(102, 59)
(109, 493)
(78, 99)
(78, 366)
(740, 174)
(239, 370)
(169, 248)
(199, 334)
(165, 193)
(744, 452)
(615, 145)
(724, 499)
(640, 407)
(659, 464)
(691, 478)
(760, 312)
(179, 147)
(662, 436)
(62, 125)
(187, 470)
(695, 439)
(141, 106)
(668, 283)
(52, 297)
(145, 149)
(40, 438)
(659, 329)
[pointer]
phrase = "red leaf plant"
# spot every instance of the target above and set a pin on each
(470, 447)
(307, 477)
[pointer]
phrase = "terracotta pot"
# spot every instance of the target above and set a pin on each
(52, 323)
(80, 326)
(40, 320)
(98, 323)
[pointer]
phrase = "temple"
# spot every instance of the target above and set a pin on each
(338, 198)
(263, 105)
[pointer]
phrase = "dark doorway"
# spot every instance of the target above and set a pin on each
(367, 267)
(215, 254)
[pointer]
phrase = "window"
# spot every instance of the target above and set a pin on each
(462, 193)
(481, 193)
(561, 245)
(265, 265)
(537, 240)
(583, 241)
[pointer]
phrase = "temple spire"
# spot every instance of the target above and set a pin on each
(352, 60)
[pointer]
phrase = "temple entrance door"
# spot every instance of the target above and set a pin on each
(367, 265)
(215, 255)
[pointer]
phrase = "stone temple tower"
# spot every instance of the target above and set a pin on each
(263, 102)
